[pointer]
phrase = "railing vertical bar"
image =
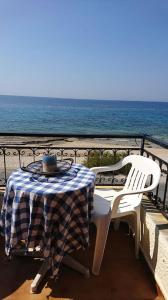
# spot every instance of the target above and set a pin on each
(142, 146)
(100, 164)
(19, 157)
(157, 189)
(165, 192)
(75, 151)
(4, 161)
(88, 156)
(34, 152)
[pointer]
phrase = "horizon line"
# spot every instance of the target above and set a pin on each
(83, 99)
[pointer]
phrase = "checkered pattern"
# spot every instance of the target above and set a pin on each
(52, 215)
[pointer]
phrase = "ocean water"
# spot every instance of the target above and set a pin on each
(53, 115)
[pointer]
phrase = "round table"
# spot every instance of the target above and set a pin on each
(51, 213)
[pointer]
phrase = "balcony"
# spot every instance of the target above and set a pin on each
(122, 276)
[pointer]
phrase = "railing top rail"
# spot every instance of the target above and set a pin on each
(39, 134)
(4, 146)
(156, 141)
(156, 157)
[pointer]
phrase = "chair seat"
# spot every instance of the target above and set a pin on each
(102, 201)
(101, 206)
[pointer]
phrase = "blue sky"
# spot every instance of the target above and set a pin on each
(98, 49)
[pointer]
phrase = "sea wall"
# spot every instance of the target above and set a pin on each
(154, 243)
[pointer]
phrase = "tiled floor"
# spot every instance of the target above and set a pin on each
(122, 276)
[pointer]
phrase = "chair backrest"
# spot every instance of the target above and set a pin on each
(141, 168)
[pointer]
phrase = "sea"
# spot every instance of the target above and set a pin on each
(83, 116)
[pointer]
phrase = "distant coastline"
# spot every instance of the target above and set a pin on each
(92, 99)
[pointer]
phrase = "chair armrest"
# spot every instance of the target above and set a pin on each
(115, 167)
(144, 190)
(125, 192)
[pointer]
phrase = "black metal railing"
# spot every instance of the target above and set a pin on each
(19, 149)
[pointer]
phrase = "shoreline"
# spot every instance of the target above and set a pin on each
(64, 141)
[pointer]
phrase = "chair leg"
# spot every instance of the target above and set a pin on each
(101, 237)
(137, 234)
(116, 224)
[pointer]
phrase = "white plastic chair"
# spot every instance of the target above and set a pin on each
(110, 204)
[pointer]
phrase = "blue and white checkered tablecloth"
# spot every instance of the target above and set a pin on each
(52, 213)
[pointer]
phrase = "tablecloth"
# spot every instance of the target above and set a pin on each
(51, 214)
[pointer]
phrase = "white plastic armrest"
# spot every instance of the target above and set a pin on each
(144, 190)
(123, 192)
(115, 167)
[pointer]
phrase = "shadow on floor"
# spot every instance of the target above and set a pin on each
(122, 276)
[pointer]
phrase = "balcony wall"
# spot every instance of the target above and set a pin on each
(154, 243)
